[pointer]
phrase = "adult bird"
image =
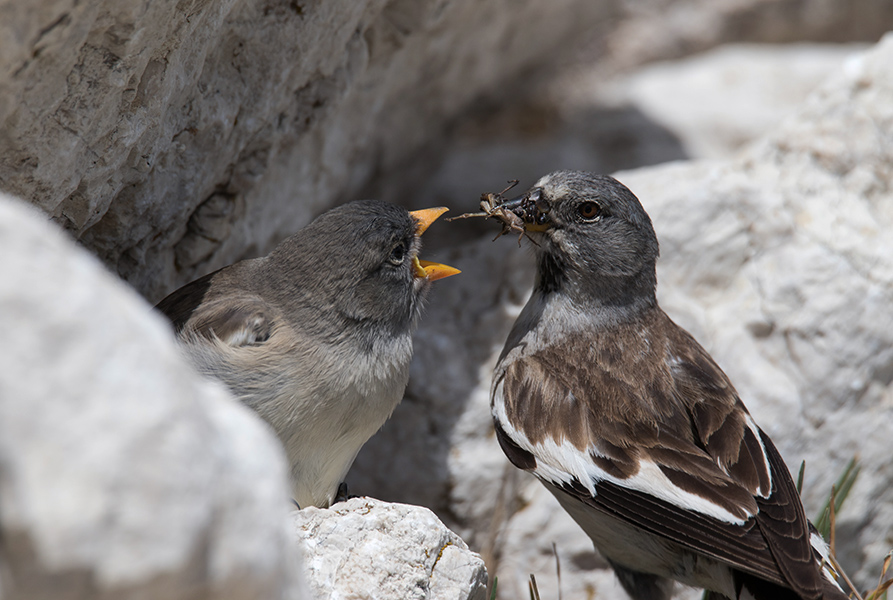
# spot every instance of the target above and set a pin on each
(631, 424)
(316, 336)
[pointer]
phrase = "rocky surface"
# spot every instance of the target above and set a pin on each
(175, 138)
(365, 548)
(170, 139)
(741, 91)
(125, 475)
(122, 473)
(777, 261)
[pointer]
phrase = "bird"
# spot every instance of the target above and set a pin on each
(631, 424)
(316, 337)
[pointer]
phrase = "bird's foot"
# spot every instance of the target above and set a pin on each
(343, 494)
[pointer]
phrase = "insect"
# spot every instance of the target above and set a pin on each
(491, 206)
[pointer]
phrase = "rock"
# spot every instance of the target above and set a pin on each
(779, 263)
(172, 139)
(591, 121)
(122, 119)
(122, 473)
(365, 548)
(741, 91)
(656, 30)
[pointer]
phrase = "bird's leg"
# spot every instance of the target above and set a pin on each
(468, 215)
(642, 586)
(343, 494)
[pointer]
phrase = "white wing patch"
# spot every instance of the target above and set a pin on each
(563, 463)
(247, 334)
(819, 545)
(758, 434)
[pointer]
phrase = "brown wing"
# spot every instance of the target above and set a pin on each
(735, 447)
(651, 394)
(784, 525)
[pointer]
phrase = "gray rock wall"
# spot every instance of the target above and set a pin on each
(172, 138)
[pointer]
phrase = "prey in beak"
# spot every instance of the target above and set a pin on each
(520, 215)
(530, 210)
(425, 269)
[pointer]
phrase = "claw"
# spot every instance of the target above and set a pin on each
(343, 494)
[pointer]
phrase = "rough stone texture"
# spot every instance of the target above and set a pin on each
(365, 548)
(122, 473)
(779, 262)
(172, 138)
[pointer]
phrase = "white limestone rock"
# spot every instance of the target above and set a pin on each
(122, 473)
(365, 548)
(719, 101)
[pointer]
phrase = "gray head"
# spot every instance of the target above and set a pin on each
(355, 263)
(595, 241)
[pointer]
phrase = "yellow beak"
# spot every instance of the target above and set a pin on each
(426, 216)
(423, 268)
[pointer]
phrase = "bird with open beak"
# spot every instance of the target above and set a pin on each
(631, 424)
(316, 336)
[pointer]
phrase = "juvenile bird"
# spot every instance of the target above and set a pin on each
(631, 424)
(317, 336)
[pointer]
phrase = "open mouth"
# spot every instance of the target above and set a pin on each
(425, 268)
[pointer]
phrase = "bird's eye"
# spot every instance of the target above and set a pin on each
(589, 211)
(398, 253)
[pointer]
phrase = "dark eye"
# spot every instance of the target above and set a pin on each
(398, 253)
(589, 211)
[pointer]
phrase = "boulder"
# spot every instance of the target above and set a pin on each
(655, 30)
(172, 139)
(122, 473)
(741, 91)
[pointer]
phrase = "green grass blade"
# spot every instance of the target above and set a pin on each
(847, 485)
(840, 490)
